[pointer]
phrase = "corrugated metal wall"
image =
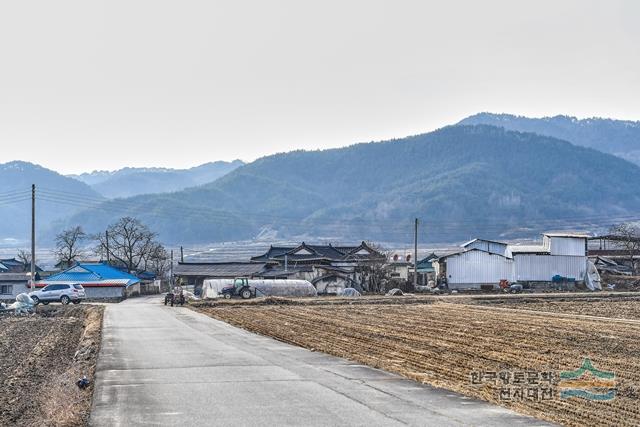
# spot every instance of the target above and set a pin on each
(476, 267)
(493, 247)
(568, 246)
(541, 268)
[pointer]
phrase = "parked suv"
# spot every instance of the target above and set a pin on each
(63, 293)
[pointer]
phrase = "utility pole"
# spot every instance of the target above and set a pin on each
(415, 254)
(171, 272)
(106, 236)
(181, 254)
(33, 236)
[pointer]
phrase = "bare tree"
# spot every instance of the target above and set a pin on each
(158, 261)
(372, 270)
(628, 236)
(24, 257)
(130, 244)
(68, 245)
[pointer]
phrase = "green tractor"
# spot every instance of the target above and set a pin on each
(239, 288)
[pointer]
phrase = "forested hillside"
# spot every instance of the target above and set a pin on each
(461, 181)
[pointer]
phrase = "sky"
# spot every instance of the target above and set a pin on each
(88, 85)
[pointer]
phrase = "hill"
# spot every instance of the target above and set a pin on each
(462, 181)
(52, 190)
(128, 182)
(618, 137)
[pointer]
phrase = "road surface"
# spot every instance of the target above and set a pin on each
(172, 366)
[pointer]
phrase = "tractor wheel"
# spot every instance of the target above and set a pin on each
(245, 293)
(65, 299)
(227, 296)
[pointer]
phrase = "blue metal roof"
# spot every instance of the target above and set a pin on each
(92, 272)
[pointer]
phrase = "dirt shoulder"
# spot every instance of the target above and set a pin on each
(42, 357)
(464, 347)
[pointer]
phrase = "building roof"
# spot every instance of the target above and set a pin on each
(92, 274)
(575, 234)
(306, 253)
(273, 252)
(219, 269)
(14, 277)
(471, 250)
(464, 245)
(15, 266)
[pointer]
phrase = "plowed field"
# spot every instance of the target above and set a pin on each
(461, 347)
(41, 358)
(617, 309)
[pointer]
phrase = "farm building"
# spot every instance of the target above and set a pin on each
(195, 273)
(484, 263)
(475, 269)
(561, 255)
(99, 280)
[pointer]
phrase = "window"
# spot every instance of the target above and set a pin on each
(78, 287)
(6, 289)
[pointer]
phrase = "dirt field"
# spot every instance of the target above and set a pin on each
(466, 348)
(41, 358)
(622, 308)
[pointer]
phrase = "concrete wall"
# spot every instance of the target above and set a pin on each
(104, 292)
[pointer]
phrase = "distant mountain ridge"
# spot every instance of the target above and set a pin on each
(52, 191)
(617, 137)
(129, 182)
(462, 181)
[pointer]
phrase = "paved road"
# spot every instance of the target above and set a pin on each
(171, 366)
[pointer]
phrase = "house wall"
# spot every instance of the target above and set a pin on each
(541, 268)
(475, 268)
(17, 287)
(331, 285)
(399, 271)
(104, 292)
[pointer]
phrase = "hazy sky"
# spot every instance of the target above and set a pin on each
(104, 84)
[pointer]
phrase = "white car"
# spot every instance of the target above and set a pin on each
(63, 293)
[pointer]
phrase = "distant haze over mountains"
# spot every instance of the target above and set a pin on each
(53, 189)
(462, 181)
(618, 137)
(128, 182)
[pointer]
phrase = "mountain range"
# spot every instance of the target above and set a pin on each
(462, 181)
(129, 182)
(473, 179)
(52, 191)
(618, 137)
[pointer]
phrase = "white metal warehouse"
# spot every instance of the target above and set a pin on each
(486, 262)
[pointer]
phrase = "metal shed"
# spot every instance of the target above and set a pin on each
(474, 268)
